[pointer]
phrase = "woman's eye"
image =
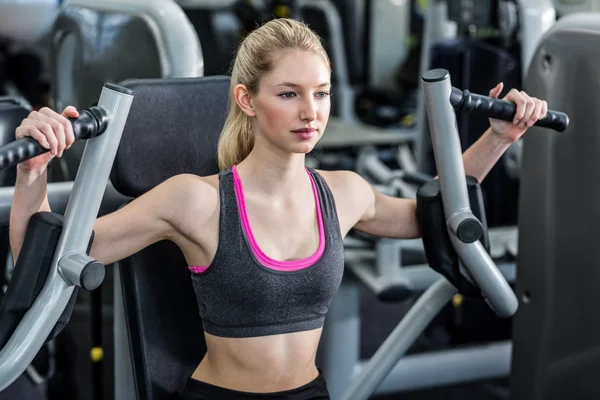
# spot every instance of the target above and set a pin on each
(287, 95)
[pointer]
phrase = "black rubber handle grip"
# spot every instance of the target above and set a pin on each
(463, 100)
(91, 122)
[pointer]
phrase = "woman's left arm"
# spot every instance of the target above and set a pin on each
(393, 217)
(487, 150)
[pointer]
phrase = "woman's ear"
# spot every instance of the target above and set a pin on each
(243, 99)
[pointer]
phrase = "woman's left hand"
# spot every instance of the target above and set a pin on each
(529, 110)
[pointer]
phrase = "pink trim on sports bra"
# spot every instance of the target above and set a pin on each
(258, 253)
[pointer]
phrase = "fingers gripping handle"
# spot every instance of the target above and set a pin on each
(502, 109)
(450, 168)
(90, 123)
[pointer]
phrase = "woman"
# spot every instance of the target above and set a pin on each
(263, 289)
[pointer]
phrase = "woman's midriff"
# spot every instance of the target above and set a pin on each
(261, 365)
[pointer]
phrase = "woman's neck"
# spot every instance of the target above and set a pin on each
(272, 174)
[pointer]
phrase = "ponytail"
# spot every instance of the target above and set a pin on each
(236, 140)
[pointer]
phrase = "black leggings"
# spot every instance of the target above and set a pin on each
(197, 390)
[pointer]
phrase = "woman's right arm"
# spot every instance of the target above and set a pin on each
(54, 132)
(173, 210)
(29, 198)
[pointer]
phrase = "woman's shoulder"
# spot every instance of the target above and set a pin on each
(207, 183)
(189, 190)
(349, 188)
(343, 180)
(352, 193)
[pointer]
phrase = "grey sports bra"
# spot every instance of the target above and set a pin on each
(244, 293)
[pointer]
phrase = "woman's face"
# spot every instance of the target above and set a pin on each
(292, 106)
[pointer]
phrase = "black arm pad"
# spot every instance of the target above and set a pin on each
(30, 274)
(439, 251)
(30, 271)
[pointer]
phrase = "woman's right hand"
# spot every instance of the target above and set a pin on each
(52, 130)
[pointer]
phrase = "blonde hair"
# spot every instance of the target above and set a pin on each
(253, 60)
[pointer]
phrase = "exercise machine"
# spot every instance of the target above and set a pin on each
(53, 263)
(473, 268)
(496, 36)
(556, 333)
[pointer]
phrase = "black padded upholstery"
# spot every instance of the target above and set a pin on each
(173, 127)
(556, 333)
